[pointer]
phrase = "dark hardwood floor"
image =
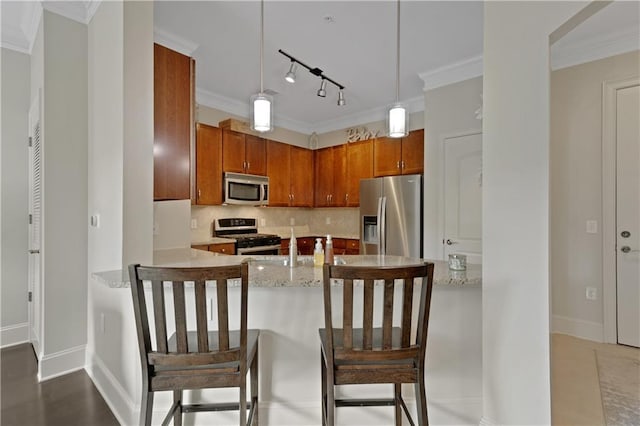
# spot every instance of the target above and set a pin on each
(71, 399)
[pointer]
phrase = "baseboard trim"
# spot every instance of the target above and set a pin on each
(582, 329)
(61, 363)
(12, 335)
(116, 397)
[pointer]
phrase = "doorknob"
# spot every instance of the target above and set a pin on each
(627, 249)
(449, 242)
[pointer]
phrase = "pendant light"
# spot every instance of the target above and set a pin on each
(261, 103)
(397, 117)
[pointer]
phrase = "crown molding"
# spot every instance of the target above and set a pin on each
(14, 39)
(594, 48)
(174, 42)
(75, 10)
(449, 74)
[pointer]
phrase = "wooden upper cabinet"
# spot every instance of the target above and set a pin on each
(413, 153)
(233, 151)
(243, 153)
(301, 176)
(208, 165)
(387, 156)
(255, 155)
(278, 172)
(172, 118)
(330, 176)
(399, 156)
(359, 166)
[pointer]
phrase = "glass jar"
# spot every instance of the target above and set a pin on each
(457, 262)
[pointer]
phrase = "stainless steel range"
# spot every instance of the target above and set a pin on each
(245, 232)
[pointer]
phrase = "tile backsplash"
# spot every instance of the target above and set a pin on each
(342, 222)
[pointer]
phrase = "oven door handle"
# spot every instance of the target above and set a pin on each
(246, 250)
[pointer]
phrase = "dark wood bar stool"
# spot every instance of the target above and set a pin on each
(194, 359)
(371, 355)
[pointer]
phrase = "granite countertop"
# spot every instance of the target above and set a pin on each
(213, 240)
(272, 271)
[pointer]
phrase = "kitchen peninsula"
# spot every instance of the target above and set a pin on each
(286, 304)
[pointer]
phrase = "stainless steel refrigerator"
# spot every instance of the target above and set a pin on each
(391, 216)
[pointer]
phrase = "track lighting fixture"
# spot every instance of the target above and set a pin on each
(322, 92)
(291, 75)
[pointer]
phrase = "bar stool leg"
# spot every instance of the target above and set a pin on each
(177, 417)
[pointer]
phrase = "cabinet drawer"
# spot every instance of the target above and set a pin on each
(225, 248)
(201, 247)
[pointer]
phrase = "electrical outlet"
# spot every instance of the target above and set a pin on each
(194, 223)
(263, 221)
(592, 227)
(592, 293)
(327, 220)
(292, 221)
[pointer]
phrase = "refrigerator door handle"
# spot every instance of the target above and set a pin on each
(383, 226)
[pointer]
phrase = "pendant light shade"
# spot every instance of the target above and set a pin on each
(397, 121)
(397, 117)
(261, 104)
(262, 113)
(291, 75)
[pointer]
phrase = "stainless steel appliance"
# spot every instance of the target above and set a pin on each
(245, 232)
(391, 216)
(247, 190)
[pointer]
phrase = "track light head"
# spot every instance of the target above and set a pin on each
(341, 101)
(322, 92)
(291, 75)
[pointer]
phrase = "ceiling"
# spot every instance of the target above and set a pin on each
(353, 42)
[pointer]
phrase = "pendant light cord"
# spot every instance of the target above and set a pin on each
(398, 53)
(261, 44)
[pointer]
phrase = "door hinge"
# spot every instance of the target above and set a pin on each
(30, 296)
(30, 141)
(30, 219)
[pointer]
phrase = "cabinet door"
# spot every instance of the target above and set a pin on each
(255, 155)
(387, 153)
(323, 176)
(278, 172)
(301, 176)
(171, 124)
(208, 165)
(413, 153)
(339, 192)
(233, 153)
(225, 248)
(359, 166)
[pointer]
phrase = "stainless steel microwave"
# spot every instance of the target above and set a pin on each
(246, 190)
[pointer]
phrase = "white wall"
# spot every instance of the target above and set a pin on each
(515, 282)
(65, 194)
(576, 190)
(15, 88)
(449, 111)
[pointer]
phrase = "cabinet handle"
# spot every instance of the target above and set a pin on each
(403, 165)
(248, 165)
(327, 199)
(346, 197)
(199, 193)
(398, 165)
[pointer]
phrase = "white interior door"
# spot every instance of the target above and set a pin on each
(35, 226)
(628, 214)
(463, 197)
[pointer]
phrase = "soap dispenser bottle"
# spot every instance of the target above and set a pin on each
(328, 251)
(318, 253)
(293, 251)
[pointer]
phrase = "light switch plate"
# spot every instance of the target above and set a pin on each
(194, 223)
(95, 220)
(592, 227)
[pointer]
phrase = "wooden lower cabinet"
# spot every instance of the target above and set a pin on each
(224, 248)
(305, 246)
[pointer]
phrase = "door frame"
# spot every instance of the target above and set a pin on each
(609, 250)
(443, 172)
